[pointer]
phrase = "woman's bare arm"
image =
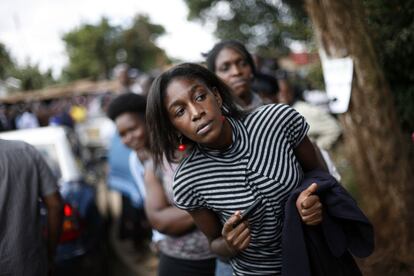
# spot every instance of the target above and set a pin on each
(163, 216)
(225, 240)
(308, 204)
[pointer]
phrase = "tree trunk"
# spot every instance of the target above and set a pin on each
(378, 150)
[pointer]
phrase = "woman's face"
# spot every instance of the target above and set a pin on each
(132, 130)
(234, 70)
(194, 111)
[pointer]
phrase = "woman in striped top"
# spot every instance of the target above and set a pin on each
(235, 159)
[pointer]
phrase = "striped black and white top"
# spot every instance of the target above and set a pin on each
(260, 164)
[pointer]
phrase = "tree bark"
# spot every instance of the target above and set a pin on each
(382, 157)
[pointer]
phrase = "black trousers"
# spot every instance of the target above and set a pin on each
(168, 266)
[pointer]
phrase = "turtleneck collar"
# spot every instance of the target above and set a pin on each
(238, 148)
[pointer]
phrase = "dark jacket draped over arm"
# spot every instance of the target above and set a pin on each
(325, 249)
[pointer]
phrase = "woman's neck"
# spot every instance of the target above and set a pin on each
(225, 139)
(246, 98)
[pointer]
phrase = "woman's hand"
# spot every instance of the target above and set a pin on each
(237, 237)
(309, 206)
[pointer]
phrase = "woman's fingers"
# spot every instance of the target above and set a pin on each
(311, 210)
(228, 225)
(310, 201)
(241, 233)
(246, 239)
(310, 206)
(313, 219)
(236, 237)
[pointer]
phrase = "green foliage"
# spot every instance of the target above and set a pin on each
(267, 26)
(94, 50)
(91, 50)
(138, 44)
(31, 77)
(391, 25)
(6, 62)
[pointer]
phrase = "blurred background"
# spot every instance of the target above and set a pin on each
(63, 61)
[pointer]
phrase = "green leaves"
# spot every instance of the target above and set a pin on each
(6, 62)
(391, 24)
(29, 76)
(266, 25)
(94, 50)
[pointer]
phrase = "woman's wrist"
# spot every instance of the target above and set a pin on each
(220, 247)
(232, 251)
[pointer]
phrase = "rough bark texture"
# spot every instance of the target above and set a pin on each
(380, 154)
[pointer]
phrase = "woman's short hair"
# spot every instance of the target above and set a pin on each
(163, 137)
(235, 45)
(128, 102)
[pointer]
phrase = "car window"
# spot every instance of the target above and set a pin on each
(50, 155)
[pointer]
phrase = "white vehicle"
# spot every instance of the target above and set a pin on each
(54, 146)
(82, 226)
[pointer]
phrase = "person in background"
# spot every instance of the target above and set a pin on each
(266, 87)
(60, 113)
(130, 233)
(26, 119)
(4, 120)
(25, 178)
(324, 128)
(145, 81)
(232, 63)
(126, 77)
(42, 111)
(78, 110)
(183, 249)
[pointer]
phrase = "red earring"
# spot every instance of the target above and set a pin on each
(181, 146)
(223, 118)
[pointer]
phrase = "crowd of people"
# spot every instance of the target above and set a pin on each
(63, 111)
(199, 146)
